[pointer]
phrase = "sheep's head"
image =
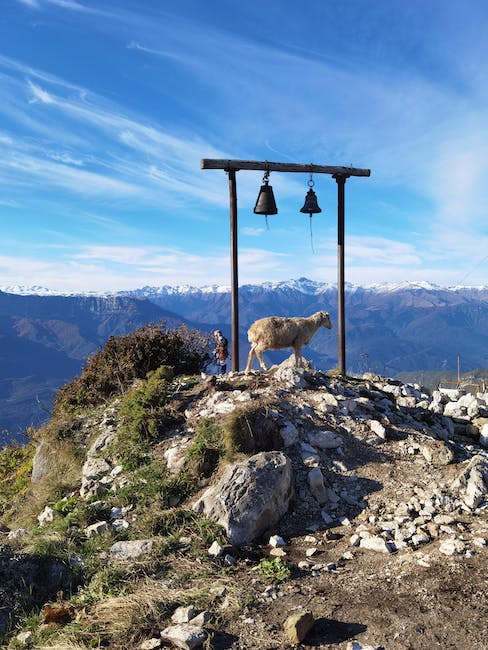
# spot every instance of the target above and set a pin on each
(325, 320)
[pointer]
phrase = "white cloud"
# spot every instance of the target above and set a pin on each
(252, 232)
(39, 94)
(30, 3)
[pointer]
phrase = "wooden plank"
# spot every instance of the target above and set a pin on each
(236, 165)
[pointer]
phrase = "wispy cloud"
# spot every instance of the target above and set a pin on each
(39, 95)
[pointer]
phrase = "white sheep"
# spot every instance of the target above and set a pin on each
(275, 332)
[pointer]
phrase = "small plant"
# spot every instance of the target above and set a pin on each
(204, 454)
(250, 429)
(274, 570)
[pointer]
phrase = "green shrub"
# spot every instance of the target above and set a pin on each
(250, 429)
(132, 356)
(273, 570)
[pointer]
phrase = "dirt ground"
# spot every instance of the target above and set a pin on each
(414, 599)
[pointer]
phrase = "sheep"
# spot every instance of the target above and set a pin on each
(275, 332)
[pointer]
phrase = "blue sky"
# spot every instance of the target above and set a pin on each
(107, 107)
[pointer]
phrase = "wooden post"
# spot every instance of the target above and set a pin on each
(341, 306)
(234, 279)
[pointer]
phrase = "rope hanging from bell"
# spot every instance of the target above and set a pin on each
(311, 206)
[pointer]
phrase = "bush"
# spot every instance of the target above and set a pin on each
(250, 429)
(132, 356)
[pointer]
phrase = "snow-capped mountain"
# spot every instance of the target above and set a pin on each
(390, 328)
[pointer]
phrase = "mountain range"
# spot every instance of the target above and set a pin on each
(390, 329)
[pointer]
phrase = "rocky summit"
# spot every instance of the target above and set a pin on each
(290, 508)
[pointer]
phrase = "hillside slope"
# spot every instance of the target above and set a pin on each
(370, 517)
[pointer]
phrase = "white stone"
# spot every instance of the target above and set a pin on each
(183, 614)
(24, 637)
(316, 484)
(289, 434)
(354, 540)
(185, 636)
(97, 528)
(17, 533)
(378, 544)
(451, 547)
(325, 440)
(215, 549)
(377, 428)
(120, 524)
(150, 644)
(276, 540)
(484, 435)
(94, 468)
(47, 515)
(452, 409)
(132, 549)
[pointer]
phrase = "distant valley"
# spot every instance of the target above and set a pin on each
(390, 329)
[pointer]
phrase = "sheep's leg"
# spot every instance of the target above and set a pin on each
(250, 357)
(298, 356)
(259, 354)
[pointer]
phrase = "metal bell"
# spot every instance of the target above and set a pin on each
(265, 203)
(311, 206)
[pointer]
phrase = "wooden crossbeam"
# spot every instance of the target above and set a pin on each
(236, 165)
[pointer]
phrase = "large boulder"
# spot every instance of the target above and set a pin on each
(251, 496)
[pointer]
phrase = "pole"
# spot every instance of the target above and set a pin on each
(234, 280)
(341, 307)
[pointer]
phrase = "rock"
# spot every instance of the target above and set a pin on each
(484, 435)
(120, 524)
(291, 377)
(378, 544)
(377, 428)
(215, 550)
(44, 461)
(132, 549)
(289, 434)
(185, 636)
(251, 496)
(452, 547)
(94, 468)
(184, 614)
(276, 540)
(297, 626)
(96, 529)
(453, 410)
(101, 443)
(325, 440)
(437, 453)
(24, 638)
(202, 619)
(150, 644)
(316, 484)
(47, 515)
(17, 533)
(472, 483)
